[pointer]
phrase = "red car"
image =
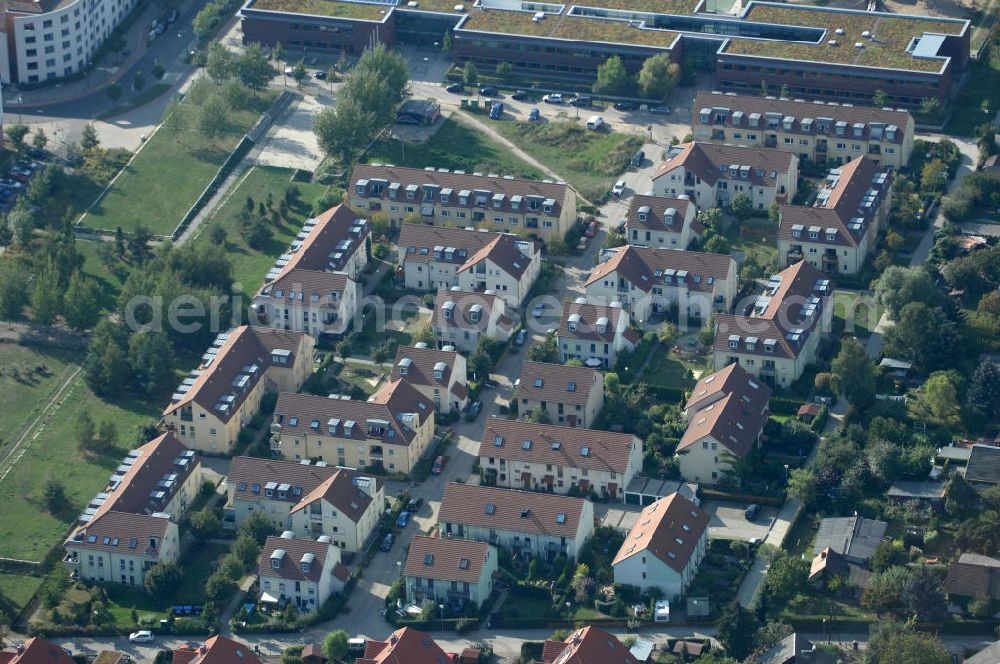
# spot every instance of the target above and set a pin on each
(591, 229)
(438, 466)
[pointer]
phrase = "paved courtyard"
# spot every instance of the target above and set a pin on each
(291, 142)
(726, 520)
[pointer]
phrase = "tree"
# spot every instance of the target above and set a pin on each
(885, 590)
(220, 63)
(107, 435)
(424, 334)
(299, 72)
(218, 235)
(961, 498)
(924, 596)
(205, 20)
(933, 176)
(213, 118)
(39, 140)
(711, 219)
(924, 336)
(106, 364)
(983, 394)
(246, 549)
(151, 360)
(115, 91)
(162, 579)
(771, 633)
(741, 206)
(175, 118)
(253, 67)
(344, 130)
(659, 76)
(802, 485)
(899, 286)
(17, 133)
(46, 298)
(938, 400)
(896, 643)
(547, 350)
(257, 527)
(470, 75)
(205, 524)
(54, 495)
(612, 78)
(787, 576)
(13, 291)
(158, 70)
(855, 373)
(235, 94)
(735, 629)
(89, 140)
(886, 555)
(335, 645)
(258, 234)
(138, 80)
(880, 99)
(504, 68)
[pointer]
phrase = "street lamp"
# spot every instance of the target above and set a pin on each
(20, 101)
(786, 473)
(441, 609)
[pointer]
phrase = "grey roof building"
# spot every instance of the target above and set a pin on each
(851, 536)
(984, 465)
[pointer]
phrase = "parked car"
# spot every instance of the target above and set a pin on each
(490, 383)
(519, 95)
(591, 229)
(620, 228)
(554, 98)
(618, 189)
(39, 153)
(20, 176)
(402, 519)
(751, 512)
(387, 542)
(583, 243)
(534, 115)
(142, 636)
(414, 505)
(496, 112)
(289, 71)
(160, 27)
(595, 122)
(10, 184)
(320, 75)
(474, 409)
(172, 16)
(624, 106)
(638, 158)
(582, 102)
(488, 91)
(456, 88)
(521, 337)
(23, 170)
(357, 645)
(539, 310)
(437, 467)
(660, 110)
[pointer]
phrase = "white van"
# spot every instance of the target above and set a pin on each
(595, 122)
(357, 644)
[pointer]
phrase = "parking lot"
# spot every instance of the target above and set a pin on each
(726, 520)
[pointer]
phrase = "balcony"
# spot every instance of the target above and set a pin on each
(622, 287)
(275, 443)
(71, 559)
(821, 146)
(771, 141)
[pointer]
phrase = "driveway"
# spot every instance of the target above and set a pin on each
(726, 521)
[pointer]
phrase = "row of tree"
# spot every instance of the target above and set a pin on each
(656, 80)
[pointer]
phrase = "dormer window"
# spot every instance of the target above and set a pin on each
(439, 370)
(797, 230)
(734, 341)
(475, 313)
(411, 192)
(813, 232)
(573, 322)
(831, 234)
(304, 566)
(448, 310)
(404, 366)
(361, 187)
(644, 213)
(751, 343)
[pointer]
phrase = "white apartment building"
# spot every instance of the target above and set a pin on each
(439, 375)
(544, 457)
(300, 572)
(573, 396)
(656, 221)
(829, 133)
(461, 317)
(648, 281)
(713, 175)
(595, 334)
(526, 523)
(453, 572)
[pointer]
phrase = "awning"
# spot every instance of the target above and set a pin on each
(268, 598)
(593, 363)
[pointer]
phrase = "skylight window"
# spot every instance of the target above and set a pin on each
(526, 445)
(539, 382)
(560, 518)
(571, 387)
(585, 452)
(491, 508)
(463, 563)
(428, 558)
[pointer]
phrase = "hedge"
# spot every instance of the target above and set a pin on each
(665, 392)
(716, 494)
(784, 405)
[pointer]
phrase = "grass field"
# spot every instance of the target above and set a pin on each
(866, 312)
(167, 176)
(665, 369)
(27, 528)
(24, 388)
(454, 146)
(757, 239)
(967, 111)
(249, 264)
(589, 160)
(19, 588)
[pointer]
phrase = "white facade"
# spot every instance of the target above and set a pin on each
(645, 571)
(295, 580)
(528, 542)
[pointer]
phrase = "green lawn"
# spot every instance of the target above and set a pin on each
(28, 378)
(589, 160)
(967, 111)
(756, 238)
(109, 278)
(454, 146)
(170, 172)
(249, 264)
(866, 312)
(19, 588)
(27, 528)
(665, 369)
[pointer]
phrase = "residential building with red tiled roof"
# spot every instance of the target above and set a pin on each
(712, 175)
(524, 522)
(525, 455)
(219, 650)
(299, 572)
(309, 499)
(658, 221)
(726, 415)
(458, 199)
(587, 645)
(36, 651)
(594, 334)
(440, 375)
(780, 335)
(390, 430)
(449, 571)
(838, 232)
(664, 548)
(407, 646)
(210, 407)
(314, 286)
(132, 524)
(573, 396)
(655, 280)
(829, 133)
(433, 257)
(460, 318)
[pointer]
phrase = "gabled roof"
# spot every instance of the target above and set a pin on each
(974, 575)
(463, 303)
(446, 559)
(420, 368)
(511, 510)
(420, 240)
(730, 420)
(397, 410)
(558, 383)
(503, 252)
(984, 464)
(244, 351)
(588, 645)
(731, 379)
(988, 655)
(406, 646)
(309, 286)
(220, 650)
(711, 162)
(343, 491)
(851, 536)
(657, 216)
(290, 553)
(556, 445)
(829, 563)
(669, 529)
(657, 266)
(39, 651)
(790, 648)
(337, 231)
(249, 473)
(585, 319)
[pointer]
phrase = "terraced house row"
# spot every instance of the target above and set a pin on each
(814, 52)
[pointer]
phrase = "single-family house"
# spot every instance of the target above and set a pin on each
(595, 334)
(795, 649)
(460, 318)
(408, 646)
(852, 536)
(983, 467)
(661, 222)
(451, 571)
(974, 575)
(300, 572)
(217, 650)
(36, 650)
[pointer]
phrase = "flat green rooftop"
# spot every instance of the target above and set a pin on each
(356, 10)
(891, 35)
(564, 26)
